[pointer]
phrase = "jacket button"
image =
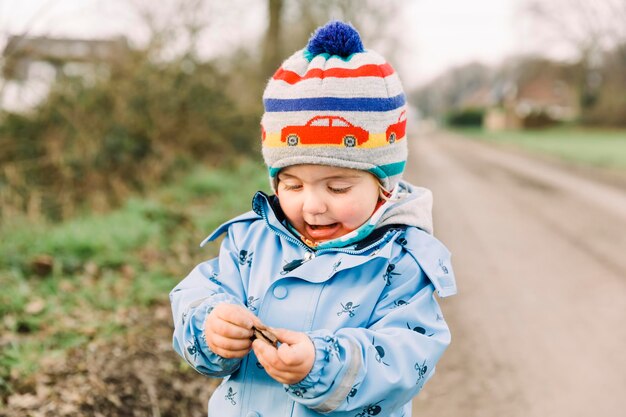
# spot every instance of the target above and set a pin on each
(280, 292)
(253, 414)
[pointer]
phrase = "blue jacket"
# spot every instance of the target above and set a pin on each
(369, 309)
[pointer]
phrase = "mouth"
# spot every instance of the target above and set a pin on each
(322, 231)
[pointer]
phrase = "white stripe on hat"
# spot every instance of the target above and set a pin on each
(336, 87)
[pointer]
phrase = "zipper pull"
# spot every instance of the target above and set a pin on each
(290, 266)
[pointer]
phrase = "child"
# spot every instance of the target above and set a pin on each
(339, 266)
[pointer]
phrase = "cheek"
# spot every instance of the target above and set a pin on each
(357, 211)
(289, 206)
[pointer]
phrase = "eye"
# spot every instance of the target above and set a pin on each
(291, 187)
(339, 190)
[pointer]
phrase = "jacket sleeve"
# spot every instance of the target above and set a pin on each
(210, 283)
(381, 366)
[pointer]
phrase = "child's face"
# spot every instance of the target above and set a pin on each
(324, 202)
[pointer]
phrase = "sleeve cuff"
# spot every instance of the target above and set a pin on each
(320, 385)
(204, 360)
(326, 349)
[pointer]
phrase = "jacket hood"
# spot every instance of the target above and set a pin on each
(413, 208)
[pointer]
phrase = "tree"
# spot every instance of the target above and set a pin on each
(590, 29)
(291, 23)
(450, 91)
(272, 44)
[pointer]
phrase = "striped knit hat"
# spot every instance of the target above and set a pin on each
(334, 103)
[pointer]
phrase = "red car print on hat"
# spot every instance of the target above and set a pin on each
(397, 130)
(325, 130)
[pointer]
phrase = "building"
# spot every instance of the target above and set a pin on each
(32, 64)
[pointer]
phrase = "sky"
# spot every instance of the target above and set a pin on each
(449, 33)
(437, 34)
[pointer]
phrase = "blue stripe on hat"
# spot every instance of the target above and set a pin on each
(388, 170)
(334, 103)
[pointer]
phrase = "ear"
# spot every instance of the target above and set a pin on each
(383, 194)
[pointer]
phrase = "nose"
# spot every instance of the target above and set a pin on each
(313, 203)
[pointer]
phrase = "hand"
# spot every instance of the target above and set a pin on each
(291, 361)
(228, 329)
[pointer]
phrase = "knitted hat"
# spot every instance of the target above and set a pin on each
(335, 103)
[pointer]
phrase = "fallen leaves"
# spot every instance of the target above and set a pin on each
(35, 306)
(42, 265)
(133, 374)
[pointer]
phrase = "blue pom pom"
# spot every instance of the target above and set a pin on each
(336, 38)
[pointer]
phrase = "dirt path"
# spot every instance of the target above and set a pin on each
(540, 257)
(538, 326)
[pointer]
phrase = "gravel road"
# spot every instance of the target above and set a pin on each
(539, 324)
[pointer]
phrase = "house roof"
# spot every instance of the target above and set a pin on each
(60, 49)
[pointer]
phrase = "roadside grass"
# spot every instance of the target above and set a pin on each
(66, 284)
(591, 147)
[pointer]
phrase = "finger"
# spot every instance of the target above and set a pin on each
(257, 322)
(283, 335)
(229, 330)
(229, 354)
(263, 350)
(288, 336)
(284, 377)
(229, 344)
(257, 348)
(234, 314)
(297, 348)
(290, 355)
(268, 358)
(266, 354)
